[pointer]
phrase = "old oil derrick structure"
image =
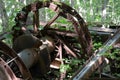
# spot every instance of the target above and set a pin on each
(39, 48)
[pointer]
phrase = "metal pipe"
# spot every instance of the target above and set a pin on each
(92, 65)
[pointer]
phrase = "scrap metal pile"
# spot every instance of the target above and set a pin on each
(39, 48)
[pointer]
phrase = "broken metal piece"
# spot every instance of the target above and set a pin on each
(40, 54)
(63, 10)
(97, 59)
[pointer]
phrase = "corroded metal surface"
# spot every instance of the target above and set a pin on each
(8, 51)
(26, 59)
(5, 71)
(96, 60)
(20, 28)
(61, 9)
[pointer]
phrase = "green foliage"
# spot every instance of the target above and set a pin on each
(12, 8)
(71, 65)
(90, 10)
(97, 41)
(97, 45)
(116, 74)
(45, 0)
(8, 39)
(115, 55)
(64, 68)
(1, 28)
(17, 28)
(57, 3)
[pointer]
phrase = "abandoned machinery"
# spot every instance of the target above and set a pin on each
(39, 48)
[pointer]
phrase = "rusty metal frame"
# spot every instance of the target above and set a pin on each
(61, 9)
(80, 27)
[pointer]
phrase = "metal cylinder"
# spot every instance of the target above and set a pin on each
(29, 57)
(36, 55)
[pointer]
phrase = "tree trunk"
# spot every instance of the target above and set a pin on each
(104, 10)
(3, 16)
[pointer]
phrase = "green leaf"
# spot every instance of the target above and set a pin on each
(8, 36)
(17, 28)
(64, 68)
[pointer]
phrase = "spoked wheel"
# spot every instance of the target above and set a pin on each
(71, 42)
(12, 68)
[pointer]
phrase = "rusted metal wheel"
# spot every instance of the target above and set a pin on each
(75, 42)
(80, 29)
(5, 71)
(11, 66)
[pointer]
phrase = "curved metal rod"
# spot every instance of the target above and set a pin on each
(81, 29)
(51, 21)
(10, 52)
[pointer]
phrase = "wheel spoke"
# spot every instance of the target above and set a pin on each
(52, 20)
(68, 48)
(36, 20)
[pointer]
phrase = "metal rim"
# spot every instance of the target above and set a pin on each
(61, 9)
(24, 71)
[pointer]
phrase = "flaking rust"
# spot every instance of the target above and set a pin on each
(36, 47)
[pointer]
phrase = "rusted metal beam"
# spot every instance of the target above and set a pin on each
(97, 59)
(36, 20)
(63, 10)
(97, 30)
(102, 31)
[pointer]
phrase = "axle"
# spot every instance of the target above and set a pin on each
(25, 59)
(31, 56)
